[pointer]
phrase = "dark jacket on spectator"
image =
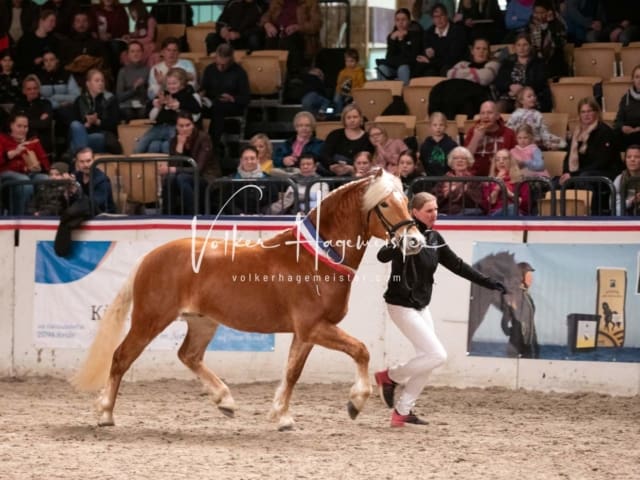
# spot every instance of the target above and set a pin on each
(105, 105)
(102, 193)
(10, 87)
(313, 146)
(338, 147)
(59, 87)
(433, 155)
(535, 77)
(601, 157)
(81, 44)
(240, 16)
(449, 49)
(404, 51)
(233, 81)
(31, 47)
(198, 147)
(28, 16)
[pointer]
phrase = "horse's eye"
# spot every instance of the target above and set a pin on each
(384, 204)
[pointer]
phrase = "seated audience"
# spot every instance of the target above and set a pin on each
(57, 84)
(35, 43)
(387, 150)
(408, 170)
(362, 164)
(460, 197)
(404, 45)
(350, 77)
(238, 25)
(110, 19)
(482, 18)
(342, 144)
(10, 80)
(96, 118)
(225, 90)
(38, 110)
(421, 11)
(131, 87)
(622, 23)
(265, 151)
(516, 17)
(179, 180)
(249, 201)
(526, 153)
(170, 50)
(585, 20)
(505, 168)
(21, 158)
(81, 43)
(64, 10)
(53, 199)
(436, 147)
(628, 184)
(18, 17)
(314, 98)
(293, 25)
(487, 136)
(521, 70)
(526, 113)
(593, 152)
(305, 180)
(548, 34)
(177, 95)
(627, 122)
(144, 31)
(287, 155)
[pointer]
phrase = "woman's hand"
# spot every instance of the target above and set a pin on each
(563, 178)
(289, 161)
(270, 30)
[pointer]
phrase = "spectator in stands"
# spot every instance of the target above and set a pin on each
(177, 95)
(408, 170)
(64, 10)
(179, 180)
(516, 16)
(38, 110)
(436, 147)
(131, 87)
(248, 201)
(483, 19)
(81, 42)
(18, 17)
(9, 81)
(527, 114)
(404, 45)
(622, 23)
(467, 84)
(342, 144)
(145, 29)
(287, 155)
(627, 122)
(170, 51)
(96, 118)
(387, 150)
(265, 151)
(34, 44)
(350, 77)
(178, 12)
(445, 44)
(102, 195)
(110, 20)
(593, 152)
(421, 11)
(53, 199)
(22, 158)
(584, 20)
(526, 153)
(628, 184)
(225, 90)
(548, 34)
(461, 197)
(488, 135)
(57, 84)
(238, 25)
(505, 168)
(314, 99)
(293, 25)
(523, 69)
(362, 164)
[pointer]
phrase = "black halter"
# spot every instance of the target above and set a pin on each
(391, 229)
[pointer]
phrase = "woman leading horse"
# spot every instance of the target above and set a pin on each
(326, 247)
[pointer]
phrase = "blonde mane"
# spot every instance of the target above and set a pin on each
(379, 188)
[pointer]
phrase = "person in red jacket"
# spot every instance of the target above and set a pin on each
(488, 136)
(22, 158)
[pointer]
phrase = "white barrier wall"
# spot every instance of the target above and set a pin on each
(367, 318)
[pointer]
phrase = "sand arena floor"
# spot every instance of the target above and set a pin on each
(170, 430)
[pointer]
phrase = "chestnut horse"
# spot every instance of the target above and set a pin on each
(325, 249)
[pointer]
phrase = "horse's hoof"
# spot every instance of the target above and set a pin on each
(106, 420)
(285, 428)
(227, 412)
(353, 411)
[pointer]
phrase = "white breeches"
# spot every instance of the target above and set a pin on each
(417, 326)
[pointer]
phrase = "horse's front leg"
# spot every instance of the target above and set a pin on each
(298, 353)
(330, 336)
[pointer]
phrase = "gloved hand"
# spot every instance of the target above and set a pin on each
(499, 286)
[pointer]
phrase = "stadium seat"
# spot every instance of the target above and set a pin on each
(372, 101)
(168, 30)
(409, 122)
(323, 129)
(196, 39)
(595, 61)
(566, 96)
(629, 58)
(612, 92)
(416, 98)
(394, 85)
(425, 81)
(554, 161)
(557, 123)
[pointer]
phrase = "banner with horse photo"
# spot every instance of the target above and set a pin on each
(563, 301)
(71, 295)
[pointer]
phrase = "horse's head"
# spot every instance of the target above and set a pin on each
(388, 215)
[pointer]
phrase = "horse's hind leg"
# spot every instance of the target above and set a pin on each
(298, 353)
(330, 336)
(139, 336)
(200, 332)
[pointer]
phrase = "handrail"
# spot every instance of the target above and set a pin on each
(590, 183)
(8, 185)
(230, 202)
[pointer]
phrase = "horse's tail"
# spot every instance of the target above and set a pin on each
(94, 372)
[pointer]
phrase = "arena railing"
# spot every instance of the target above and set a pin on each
(313, 186)
(430, 184)
(630, 187)
(251, 196)
(600, 198)
(39, 197)
(538, 186)
(140, 186)
(335, 13)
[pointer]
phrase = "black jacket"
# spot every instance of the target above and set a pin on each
(535, 77)
(411, 281)
(233, 81)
